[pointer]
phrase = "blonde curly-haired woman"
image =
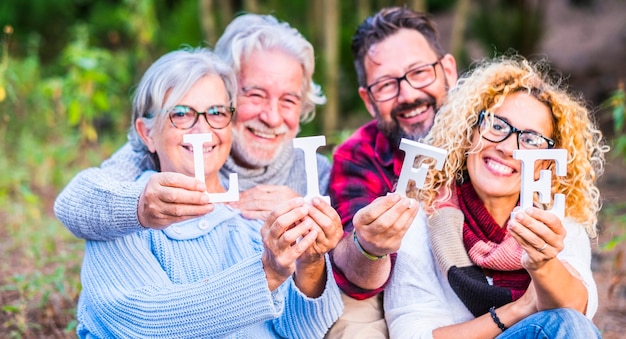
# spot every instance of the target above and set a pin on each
(465, 266)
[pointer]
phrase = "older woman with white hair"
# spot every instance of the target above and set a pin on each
(219, 275)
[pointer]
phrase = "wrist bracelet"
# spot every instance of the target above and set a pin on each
(363, 251)
(496, 320)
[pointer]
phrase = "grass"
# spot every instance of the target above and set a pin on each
(40, 270)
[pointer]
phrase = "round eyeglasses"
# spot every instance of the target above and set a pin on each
(185, 117)
(389, 88)
(495, 129)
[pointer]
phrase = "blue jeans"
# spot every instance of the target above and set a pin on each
(562, 323)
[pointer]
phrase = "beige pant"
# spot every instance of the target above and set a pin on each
(362, 319)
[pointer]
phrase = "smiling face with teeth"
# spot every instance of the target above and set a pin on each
(269, 104)
(410, 114)
(494, 174)
(167, 140)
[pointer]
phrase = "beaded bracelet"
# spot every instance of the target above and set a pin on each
(363, 251)
(496, 320)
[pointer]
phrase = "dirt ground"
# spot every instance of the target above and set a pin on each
(609, 267)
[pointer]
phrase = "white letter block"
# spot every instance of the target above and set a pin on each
(196, 141)
(309, 146)
(412, 149)
(544, 184)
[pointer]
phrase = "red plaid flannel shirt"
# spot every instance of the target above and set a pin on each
(365, 167)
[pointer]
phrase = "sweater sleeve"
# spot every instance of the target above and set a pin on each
(356, 179)
(306, 317)
(126, 293)
(101, 203)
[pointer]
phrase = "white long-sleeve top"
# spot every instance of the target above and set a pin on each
(419, 298)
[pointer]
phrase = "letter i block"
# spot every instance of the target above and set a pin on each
(309, 146)
(196, 141)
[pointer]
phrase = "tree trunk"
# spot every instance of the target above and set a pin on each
(418, 5)
(461, 13)
(207, 21)
(251, 6)
(363, 10)
(225, 10)
(331, 56)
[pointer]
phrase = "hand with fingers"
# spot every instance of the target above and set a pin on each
(310, 275)
(556, 283)
(258, 201)
(287, 234)
(541, 235)
(169, 198)
(381, 225)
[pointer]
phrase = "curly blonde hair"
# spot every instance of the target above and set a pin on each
(485, 88)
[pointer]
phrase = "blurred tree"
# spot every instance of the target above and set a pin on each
(331, 69)
(251, 6)
(461, 14)
(50, 20)
(207, 20)
(179, 24)
(617, 104)
(93, 75)
(4, 60)
(143, 24)
(363, 9)
(418, 5)
(501, 25)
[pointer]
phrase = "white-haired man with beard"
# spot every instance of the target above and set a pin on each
(404, 75)
(274, 64)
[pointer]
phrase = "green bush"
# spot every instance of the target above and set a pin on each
(49, 127)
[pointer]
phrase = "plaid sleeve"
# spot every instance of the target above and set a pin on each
(357, 178)
(353, 290)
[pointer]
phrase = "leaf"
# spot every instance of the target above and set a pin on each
(89, 132)
(71, 326)
(613, 242)
(73, 113)
(618, 117)
(101, 101)
(10, 308)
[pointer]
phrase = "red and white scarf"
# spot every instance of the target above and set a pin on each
(469, 246)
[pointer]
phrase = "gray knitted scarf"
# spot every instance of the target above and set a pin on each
(277, 173)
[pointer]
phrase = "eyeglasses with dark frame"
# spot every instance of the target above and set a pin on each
(389, 88)
(185, 117)
(497, 130)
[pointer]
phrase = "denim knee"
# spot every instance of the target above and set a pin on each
(557, 323)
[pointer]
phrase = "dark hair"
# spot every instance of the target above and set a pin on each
(385, 23)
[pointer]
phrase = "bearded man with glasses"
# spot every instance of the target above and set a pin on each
(404, 75)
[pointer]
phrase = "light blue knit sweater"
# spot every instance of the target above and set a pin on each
(202, 278)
